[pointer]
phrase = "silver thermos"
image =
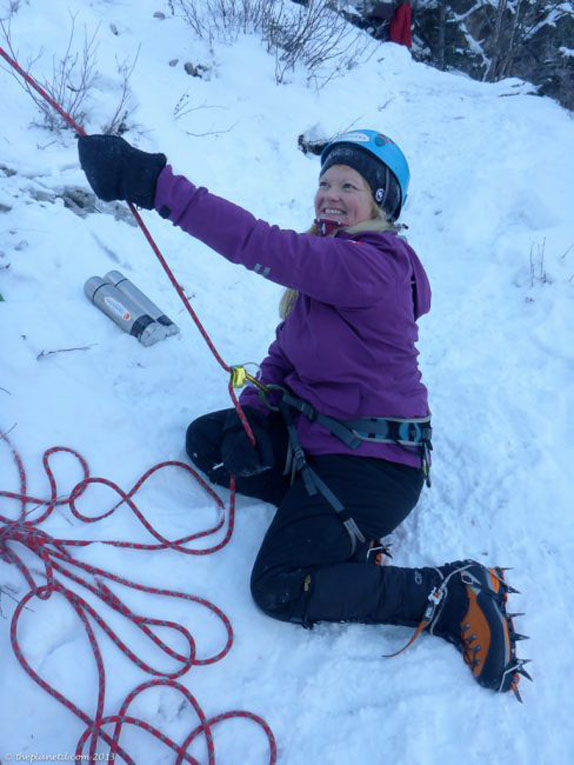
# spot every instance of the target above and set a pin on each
(124, 311)
(117, 279)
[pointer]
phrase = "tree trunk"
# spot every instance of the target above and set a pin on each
(492, 73)
(442, 35)
(508, 59)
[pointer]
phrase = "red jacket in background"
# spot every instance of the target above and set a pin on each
(400, 31)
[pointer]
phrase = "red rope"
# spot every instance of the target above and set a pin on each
(58, 562)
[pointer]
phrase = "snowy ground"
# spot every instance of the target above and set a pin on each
(490, 212)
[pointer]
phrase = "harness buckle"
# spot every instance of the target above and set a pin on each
(410, 431)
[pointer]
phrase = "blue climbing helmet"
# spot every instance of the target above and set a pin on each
(378, 159)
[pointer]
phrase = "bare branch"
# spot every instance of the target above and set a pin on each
(213, 132)
(117, 123)
(7, 432)
(44, 354)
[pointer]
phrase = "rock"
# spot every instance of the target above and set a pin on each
(311, 145)
(120, 212)
(42, 195)
(82, 202)
(78, 199)
(7, 171)
(195, 71)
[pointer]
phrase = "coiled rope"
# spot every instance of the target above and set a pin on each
(59, 565)
(58, 562)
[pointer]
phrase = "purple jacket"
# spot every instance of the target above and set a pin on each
(348, 347)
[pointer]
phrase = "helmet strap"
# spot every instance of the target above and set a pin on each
(382, 194)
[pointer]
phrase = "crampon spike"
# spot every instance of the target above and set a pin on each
(513, 616)
(517, 693)
(512, 590)
(525, 674)
(517, 636)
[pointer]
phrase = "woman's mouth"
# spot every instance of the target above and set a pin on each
(332, 212)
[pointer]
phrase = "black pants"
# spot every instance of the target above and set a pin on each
(304, 571)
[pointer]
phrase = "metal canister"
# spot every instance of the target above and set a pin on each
(124, 311)
(151, 309)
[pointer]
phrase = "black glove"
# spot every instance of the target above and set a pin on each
(116, 170)
(237, 453)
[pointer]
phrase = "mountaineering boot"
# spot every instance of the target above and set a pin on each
(468, 608)
(463, 602)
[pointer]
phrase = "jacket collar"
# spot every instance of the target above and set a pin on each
(326, 227)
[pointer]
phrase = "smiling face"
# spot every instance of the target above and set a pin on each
(343, 196)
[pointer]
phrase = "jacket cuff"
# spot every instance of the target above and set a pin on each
(170, 192)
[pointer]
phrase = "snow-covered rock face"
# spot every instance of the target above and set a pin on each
(495, 39)
(490, 214)
(529, 40)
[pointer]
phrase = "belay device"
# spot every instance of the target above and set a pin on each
(127, 306)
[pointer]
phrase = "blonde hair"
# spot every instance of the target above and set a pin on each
(377, 222)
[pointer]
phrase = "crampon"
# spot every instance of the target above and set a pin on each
(485, 635)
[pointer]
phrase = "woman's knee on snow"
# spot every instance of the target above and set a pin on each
(203, 440)
(194, 444)
(280, 595)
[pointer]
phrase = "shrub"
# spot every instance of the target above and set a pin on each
(314, 35)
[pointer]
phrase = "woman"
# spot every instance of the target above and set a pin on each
(343, 432)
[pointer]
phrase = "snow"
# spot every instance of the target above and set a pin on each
(490, 213)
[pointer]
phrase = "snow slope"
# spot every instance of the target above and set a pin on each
(490, 213)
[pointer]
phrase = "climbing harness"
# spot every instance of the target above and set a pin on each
(296, 462)
(352, 433)
(408, 433)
